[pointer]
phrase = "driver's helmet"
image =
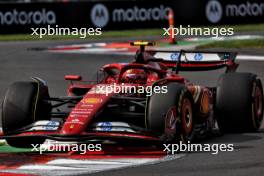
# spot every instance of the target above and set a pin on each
(135, 76)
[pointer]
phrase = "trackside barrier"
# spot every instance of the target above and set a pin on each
(127, 14)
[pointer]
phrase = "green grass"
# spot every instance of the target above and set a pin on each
(8, 149)
(250, 43)
(247, 27)
(124, 33)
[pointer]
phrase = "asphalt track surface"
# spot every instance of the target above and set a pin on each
(18, 63)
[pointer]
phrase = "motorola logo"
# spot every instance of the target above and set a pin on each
(99, 15)
(214, 11)
(245, 9)
(141, 14)
(37, 17)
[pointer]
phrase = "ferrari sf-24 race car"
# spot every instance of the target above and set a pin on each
(184, 112)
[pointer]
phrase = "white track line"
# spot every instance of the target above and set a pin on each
(250, 57)
(75, 166)
(90, 165)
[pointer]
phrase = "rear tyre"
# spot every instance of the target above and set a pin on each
(239, 103)
(171, 114)
(23, 104)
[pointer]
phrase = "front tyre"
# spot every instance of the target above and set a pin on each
(171, 114)
(23, 105)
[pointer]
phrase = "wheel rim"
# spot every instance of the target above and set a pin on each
(258, 102)
(187, 116)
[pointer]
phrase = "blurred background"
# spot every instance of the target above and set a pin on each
(18, 16)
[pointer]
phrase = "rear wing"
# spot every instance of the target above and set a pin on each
(194, 60)
(186, 60)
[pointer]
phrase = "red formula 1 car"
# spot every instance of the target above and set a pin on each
(146, 100)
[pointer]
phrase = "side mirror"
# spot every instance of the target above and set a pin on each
(73, 77)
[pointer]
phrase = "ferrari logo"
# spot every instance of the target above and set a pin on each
(71, 126)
